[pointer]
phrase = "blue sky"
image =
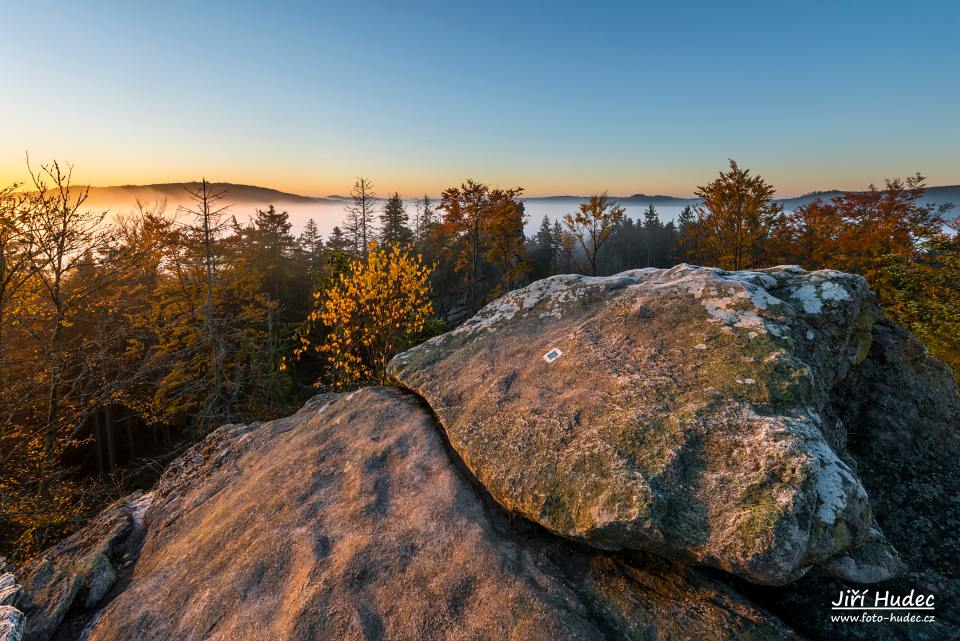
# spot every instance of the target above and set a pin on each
(557, 97)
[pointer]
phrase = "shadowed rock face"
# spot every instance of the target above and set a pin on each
(902, 411)
(349, 520)
(683, 412)
(11, 623)
(78, 573)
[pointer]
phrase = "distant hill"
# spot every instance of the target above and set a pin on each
(253, 194)
(329, 210)
(635, 199)
(931, 195)
(177, 192)
(935, 195)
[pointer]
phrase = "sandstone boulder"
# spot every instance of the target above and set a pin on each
(683, 412)
(351, 520)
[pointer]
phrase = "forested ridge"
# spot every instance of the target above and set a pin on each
(125, 336)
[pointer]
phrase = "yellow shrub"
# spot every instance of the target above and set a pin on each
(374, 311)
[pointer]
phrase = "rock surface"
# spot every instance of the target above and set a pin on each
(903, 409)
(350, 520)
(76, 574)
(683, 412)
(9, 589)
(902, 413)
(11, 623)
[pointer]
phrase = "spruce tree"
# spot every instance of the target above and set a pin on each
(310, 239)
(686, 241)
(425, 218)
(653, 232)
(359, 223)
(338, 240)
(394, 220)
(542, 258)
(310, 243)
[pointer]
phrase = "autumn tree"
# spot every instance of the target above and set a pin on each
(126, 310)
(485, 230)
(900, 244)
(72, 246)
(922, 294)
(735, 218)
(506, 242)
(588, 230)
(52, 384)
(376, 309)
(19, 253)
(857, 230)
(465, 210)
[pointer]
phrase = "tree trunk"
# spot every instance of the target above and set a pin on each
(111, 457)
(127, 420)
(53, 404)
(97, 442)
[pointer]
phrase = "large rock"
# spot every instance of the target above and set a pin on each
(11, 619)
(684, 412)
(350, 520)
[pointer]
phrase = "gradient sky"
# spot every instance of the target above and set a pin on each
(557, 97)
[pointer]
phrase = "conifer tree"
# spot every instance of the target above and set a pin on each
(338, 240)
(359, 224)
(425, 218)
(394, 229)
(653, 230)
(685, 245)
(542, 257)
(311, 245)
